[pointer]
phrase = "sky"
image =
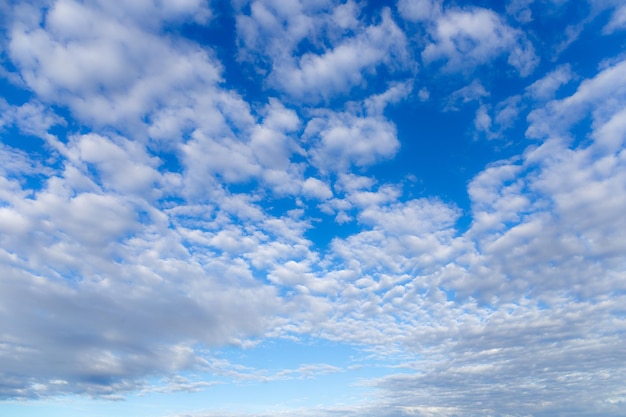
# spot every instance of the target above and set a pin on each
(312, 208)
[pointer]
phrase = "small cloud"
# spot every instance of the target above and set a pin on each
(617, 22)
(546, 87)
(423, 94)
(315, 188)
(471, 92)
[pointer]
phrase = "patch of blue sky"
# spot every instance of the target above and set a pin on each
(300, 373)
(14, 94)
(293, 353)
(27, 146)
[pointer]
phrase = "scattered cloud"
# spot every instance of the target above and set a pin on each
(161, 221)
(471, 92)
(320, 76)
(466, 38)
(546, 87)
(419, 10)
(617, 22)
(340, 140)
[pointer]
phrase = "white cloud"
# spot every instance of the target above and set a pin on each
(415, 217)
(509, 299)
(617, 22)
(520, 10)
(231, 159)
(419, 10)
(556, 207)
(123, 166)
(602, 95)
(342, 51)
(352, 182)
(94, 263)
(105, 70)
(546, 87)
(376, 104)
(345, 15)
(423, 94)
(314, 76)
(239, 151)
(145, 85)
(32, 118)
(361, 136)
(482, 121)
(471, 37)
(317, 189)
(14, 166)
(341, 140)
(161, 91)
(528, 360)
(269, 141)
(502, 117)
(471, 92)
(611, 134)
(280, 22)
(96, 248)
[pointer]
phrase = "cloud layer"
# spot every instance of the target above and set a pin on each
(163, 197)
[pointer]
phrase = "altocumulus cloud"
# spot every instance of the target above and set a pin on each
(416, 204)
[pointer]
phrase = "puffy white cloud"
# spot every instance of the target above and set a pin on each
(269, 142)
(611, 134)
(123, 166)
(161, 91)
(509, 299)
(602, 94)
(239, 151)
(99, 265)
(99, 247)
(343, 139)
(86, 56)
(336, 63)
(317, 189)
(206, 157)
(314, 76)
(283, 24)
(32, 118)
(414, 217)
(555, 207)
(360, 136)
(466, 38)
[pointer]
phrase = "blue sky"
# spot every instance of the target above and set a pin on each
(312, 208)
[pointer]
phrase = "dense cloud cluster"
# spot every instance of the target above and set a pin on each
(154, 209)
